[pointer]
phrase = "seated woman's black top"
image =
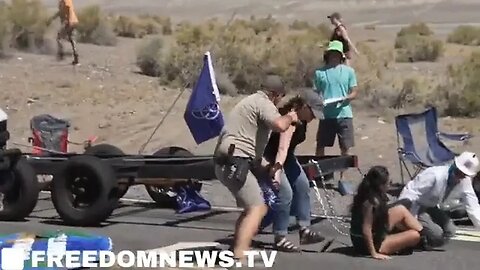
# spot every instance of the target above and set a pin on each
(379, 227)
(298, 137)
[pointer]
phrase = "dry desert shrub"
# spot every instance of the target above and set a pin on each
(157, 24)
(460, 96)
(24, 26)
(140, 26)
(416, 43)
(149, 57)
(465, 35)
(130, 27)
(95, 28)
(244, 52)
(420, 29)
(4, 29)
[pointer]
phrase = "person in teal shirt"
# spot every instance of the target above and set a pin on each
(337, 84)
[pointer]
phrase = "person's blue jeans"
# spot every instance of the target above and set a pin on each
(293, 195)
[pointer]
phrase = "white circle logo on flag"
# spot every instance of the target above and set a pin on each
(209, 112)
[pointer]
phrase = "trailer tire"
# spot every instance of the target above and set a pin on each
(99, 191)
(104, 149)
(21, 194)
(164, 197)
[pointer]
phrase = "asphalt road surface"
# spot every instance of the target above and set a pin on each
(142, 226)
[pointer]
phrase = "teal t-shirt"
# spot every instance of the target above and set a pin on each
(336, 82)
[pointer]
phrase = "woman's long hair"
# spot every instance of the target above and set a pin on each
(370, 189)
(294, 103)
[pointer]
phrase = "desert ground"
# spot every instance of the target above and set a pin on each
(106, 96)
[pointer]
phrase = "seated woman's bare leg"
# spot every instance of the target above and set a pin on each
(399, 217)
(400, 241)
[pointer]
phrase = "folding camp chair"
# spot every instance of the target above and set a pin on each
(422, 145)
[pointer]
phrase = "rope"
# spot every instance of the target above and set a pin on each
(341, 221)
(38, 148)
(214, 42)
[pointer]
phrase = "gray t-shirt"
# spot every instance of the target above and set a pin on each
(248, 126)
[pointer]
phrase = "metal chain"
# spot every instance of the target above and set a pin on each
(332, 215)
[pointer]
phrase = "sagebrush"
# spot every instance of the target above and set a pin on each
(461, 95)
(417, 43)
(24, 26)
(94, 27)
(465, 35)
(244, 52)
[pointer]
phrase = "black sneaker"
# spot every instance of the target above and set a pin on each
(308, 237)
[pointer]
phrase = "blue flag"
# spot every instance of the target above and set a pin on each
(203, 115)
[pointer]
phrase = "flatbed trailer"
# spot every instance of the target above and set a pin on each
(86, 188)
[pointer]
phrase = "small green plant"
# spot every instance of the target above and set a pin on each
(465, 35)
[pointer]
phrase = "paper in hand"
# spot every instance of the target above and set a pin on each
(333, 100)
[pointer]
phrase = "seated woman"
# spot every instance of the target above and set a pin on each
(374, 222)
(288, 176)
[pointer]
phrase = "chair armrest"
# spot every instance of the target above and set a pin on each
(455, 137)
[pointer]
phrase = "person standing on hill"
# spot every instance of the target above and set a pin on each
(69, 21)
(337, 84)
(340, 34)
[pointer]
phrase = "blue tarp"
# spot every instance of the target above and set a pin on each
(53, 242)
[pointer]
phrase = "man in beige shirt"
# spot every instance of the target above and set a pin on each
(69, 21)
(239, 155)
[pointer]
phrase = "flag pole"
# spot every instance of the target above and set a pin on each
(214, 42)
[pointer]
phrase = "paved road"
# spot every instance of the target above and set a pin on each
(140, 226)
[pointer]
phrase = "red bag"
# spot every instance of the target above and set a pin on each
(49, 133)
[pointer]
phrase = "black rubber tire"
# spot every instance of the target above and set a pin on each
(21, 195)
(103, 186)
(160, 195)
(100, 150)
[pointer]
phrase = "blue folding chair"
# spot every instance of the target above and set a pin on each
(422, 145)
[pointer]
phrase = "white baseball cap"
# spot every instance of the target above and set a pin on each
(468, 163)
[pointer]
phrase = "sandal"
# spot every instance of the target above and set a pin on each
(308, 237)
(285, 245)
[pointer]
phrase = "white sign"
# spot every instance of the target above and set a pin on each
(129, 259)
